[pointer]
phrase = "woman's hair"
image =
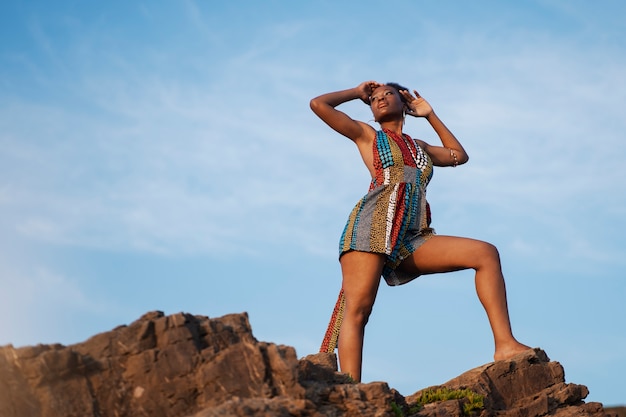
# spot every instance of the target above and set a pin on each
(398, 87)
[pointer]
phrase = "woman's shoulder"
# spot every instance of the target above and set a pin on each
(421, 143)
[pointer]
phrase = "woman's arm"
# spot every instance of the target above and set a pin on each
(452, 152)
(324, 107)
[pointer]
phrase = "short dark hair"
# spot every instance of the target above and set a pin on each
(398, 87)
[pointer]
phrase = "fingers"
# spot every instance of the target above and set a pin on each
(373, 85)
(369, 86)
(407, 95)
(412, 102)
(366, 88)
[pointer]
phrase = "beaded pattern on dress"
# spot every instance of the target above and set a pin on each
(393, 217)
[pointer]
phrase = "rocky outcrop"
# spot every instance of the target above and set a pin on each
(527, 385)
(186, 365)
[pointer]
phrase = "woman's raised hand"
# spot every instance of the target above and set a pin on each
(365, 90)
(416, 105)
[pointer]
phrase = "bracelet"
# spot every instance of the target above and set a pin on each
(455, 160)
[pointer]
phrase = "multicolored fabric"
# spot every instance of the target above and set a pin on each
(332, 332)
(393, 218)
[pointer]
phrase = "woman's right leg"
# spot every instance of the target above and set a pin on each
(361, 276)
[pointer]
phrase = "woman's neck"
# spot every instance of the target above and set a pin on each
(393, 125)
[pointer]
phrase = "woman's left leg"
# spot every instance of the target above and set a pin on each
(448, 253)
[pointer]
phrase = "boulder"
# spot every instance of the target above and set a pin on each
(186, 365)
(528, 384)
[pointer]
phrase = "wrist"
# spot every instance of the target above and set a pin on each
(358, 94)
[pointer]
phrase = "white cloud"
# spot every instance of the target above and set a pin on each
(170, 165)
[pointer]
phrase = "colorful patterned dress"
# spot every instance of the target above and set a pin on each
(393, 218)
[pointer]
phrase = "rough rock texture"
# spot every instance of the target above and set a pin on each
(527, 385)
(616, 411)
(185, 365)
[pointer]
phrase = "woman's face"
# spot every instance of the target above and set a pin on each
(386, 102)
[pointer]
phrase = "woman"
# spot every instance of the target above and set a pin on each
(388, 232)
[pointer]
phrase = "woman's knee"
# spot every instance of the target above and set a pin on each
(487, 254)
(359, 311)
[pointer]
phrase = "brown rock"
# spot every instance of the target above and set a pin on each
(616, 411)
(157, 366)
(185, 365)
(527, 385)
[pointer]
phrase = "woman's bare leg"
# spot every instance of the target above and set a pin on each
(447, 253)
(361, 276)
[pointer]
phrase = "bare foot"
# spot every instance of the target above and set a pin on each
(508, 351)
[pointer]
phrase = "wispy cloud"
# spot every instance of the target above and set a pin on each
(184, 130)
(154, 163)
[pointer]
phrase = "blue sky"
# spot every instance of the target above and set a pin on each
(162, 156)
